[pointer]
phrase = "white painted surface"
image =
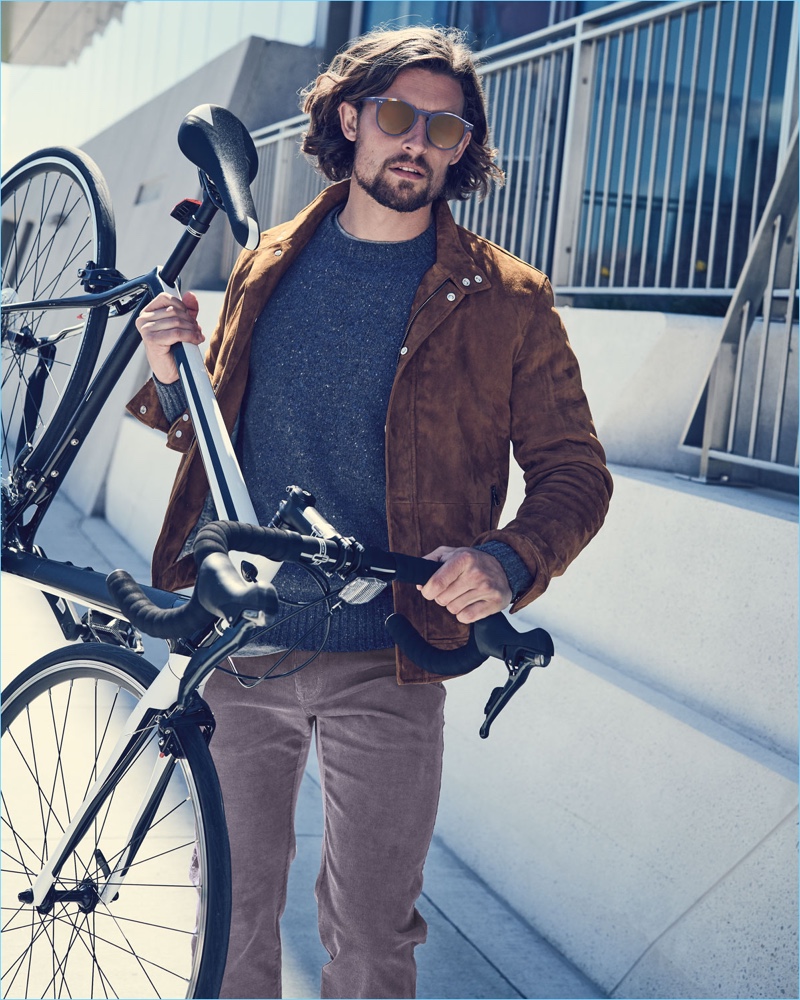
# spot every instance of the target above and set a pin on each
(21, 645)
(627, 830)
(693, 589)
(141, 476)
(643, 373)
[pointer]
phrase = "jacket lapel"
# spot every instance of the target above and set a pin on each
(275, 253)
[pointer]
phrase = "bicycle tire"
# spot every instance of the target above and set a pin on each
(60, 717)
(56, 218)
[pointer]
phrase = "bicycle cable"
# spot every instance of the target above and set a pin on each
(248, 681)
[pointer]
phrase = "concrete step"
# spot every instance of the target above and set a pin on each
(637, 801)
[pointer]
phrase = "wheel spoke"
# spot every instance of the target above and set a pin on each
(39, 788)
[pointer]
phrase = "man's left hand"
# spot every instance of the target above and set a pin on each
(471, 584)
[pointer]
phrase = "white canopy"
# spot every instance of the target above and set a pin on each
(52, 34)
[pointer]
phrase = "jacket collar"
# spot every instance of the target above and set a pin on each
(455, 260)
(459, 262)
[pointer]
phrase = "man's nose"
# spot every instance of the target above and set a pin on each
(417, 137)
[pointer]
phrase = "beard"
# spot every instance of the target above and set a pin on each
(403, 197)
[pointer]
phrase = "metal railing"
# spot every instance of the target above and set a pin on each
(285, 183)
(640, 145)
(528, 99)
(664, 128)
(747, 414)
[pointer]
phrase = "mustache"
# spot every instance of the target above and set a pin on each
(406, 159)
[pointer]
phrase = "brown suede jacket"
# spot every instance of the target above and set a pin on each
(485, 363)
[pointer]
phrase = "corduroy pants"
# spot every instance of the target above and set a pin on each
(380, 754)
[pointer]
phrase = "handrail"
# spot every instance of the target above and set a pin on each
(734, 432)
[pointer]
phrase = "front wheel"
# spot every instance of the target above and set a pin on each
(165, 932)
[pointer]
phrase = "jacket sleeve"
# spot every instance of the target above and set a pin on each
(567, 484)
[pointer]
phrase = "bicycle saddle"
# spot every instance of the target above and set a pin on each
(216, 142)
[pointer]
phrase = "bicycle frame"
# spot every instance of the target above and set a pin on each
(181, 677)
(160, 705)
(227, 485)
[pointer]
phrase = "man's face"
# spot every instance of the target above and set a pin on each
(404, 172)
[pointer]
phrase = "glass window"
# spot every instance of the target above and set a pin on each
(492, 23)
(399, 13)
(486, 24)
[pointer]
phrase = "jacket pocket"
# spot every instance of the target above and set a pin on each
(495, 508)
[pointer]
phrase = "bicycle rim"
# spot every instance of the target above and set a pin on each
(165, 933)
(56, 218)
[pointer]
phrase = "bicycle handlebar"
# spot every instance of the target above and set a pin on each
(220, 592)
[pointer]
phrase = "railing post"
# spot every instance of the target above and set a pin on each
(574, 160)
(790, 92)
(718, 406)
(279, 180)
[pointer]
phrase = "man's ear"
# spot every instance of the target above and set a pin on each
(348, 118)
(460, 149)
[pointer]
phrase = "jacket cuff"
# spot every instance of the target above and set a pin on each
(172, 398)
(519, 576)
(146, 407)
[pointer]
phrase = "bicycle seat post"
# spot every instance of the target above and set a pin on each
(196, 227)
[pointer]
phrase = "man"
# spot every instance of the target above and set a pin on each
(384, 358)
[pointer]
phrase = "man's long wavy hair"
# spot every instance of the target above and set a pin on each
(367, 68)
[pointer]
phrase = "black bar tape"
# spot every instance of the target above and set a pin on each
(162, 623)
(217, 537)
(272, 543)
(443, 662)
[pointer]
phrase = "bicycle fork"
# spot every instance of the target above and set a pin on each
(138, 730)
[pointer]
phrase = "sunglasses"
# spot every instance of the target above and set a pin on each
(395, 117)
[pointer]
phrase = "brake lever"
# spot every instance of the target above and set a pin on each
(519, 662)
(493, 636)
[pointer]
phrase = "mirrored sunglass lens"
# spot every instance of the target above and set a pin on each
(445, 130)
(395, 117)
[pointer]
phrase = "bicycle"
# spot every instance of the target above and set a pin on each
(116, 865)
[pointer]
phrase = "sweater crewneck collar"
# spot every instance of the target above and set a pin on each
(354, 248)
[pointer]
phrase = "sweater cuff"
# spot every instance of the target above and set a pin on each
(172, 398)
(519, 576)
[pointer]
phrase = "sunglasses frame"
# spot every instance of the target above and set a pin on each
(427, 115)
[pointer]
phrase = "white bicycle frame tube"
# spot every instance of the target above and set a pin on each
(115, 880)
(225, 478)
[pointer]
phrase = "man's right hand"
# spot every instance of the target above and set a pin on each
(166, 321)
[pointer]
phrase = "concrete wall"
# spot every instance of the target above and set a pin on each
(643, 372)
(637, 802)
(147, 175)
